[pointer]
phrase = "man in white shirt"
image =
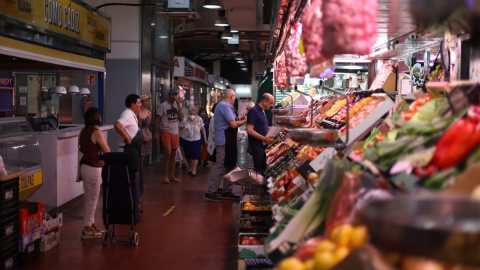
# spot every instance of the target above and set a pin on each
(168, 117)
(127, 125)
(130, 139)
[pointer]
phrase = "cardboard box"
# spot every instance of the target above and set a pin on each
(49, 240)
(31, 216)
(52, 221)
(28, 238)
(251, 251)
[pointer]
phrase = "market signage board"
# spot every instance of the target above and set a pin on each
(63, 17)
(182, 67)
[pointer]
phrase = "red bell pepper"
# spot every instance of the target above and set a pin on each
(456, 143)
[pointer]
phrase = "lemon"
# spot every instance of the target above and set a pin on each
(340, 253)
(325, 245)
(359, 236)
(342, 238)
(324, 260)
(309, 264)
(291, 263)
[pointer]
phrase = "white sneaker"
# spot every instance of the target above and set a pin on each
(96, 228)
(90, 233)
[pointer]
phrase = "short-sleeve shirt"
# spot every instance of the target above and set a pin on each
(129, 121)
(191, 131)
(256, 117)
(224, 113)
(169, 114)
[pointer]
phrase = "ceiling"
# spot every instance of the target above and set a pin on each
(205, 44)
(397, 34)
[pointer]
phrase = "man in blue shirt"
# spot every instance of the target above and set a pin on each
(225, 128)
(257, 128)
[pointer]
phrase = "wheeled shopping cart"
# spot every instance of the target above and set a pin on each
(120, 195)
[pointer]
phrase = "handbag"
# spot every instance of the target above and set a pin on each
(146, 135)
(203, 152)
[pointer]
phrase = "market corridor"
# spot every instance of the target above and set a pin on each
(178, 230)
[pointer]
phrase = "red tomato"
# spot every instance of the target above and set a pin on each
(407, 115)
(245, 242)
(251, 238)
(244, 237)
(358, 152)
(379, 137)
(318, 150)
(254, 242)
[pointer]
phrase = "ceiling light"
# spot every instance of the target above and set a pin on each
(238, 57)
(244, 69)
(163, 36)
(59, 90)
(226, 33)
(221, 19)
(73, 89)
(240, 61)
(84, 91)
(236, 52)
(234, 31)
(212, 4)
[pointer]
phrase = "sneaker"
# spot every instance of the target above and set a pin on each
(96, 228)
(219, 191)
(212, 197)
(229, 196)
(90, 233)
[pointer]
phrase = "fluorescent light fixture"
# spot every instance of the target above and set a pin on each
(163, 36)
(350, 60)
(234, 31)
(236, 52)
(73, 89)
(240, 61)
(152, 24)
(212, 4)
(244, 69)
(221, 19)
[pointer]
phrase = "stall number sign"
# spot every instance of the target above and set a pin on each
(90, 79)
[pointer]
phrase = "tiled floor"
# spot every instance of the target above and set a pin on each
(194, 235)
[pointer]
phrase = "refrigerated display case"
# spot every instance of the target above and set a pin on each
(20, 150)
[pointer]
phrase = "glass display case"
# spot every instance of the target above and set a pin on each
(20, 150)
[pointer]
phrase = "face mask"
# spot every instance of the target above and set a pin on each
(191, 117)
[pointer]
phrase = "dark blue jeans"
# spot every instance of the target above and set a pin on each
(259, 158)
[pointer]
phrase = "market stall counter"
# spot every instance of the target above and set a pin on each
(59, 149)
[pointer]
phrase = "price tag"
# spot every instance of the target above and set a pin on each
(299, 180)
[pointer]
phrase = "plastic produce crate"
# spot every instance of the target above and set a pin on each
(8, 194)
(32, 251)
(9, 225)
(9, 257)
(258, 264)
(252, 189)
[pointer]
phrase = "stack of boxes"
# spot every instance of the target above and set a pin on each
(31, 230)
(9, 227)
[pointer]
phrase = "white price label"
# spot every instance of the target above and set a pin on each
(298, 181)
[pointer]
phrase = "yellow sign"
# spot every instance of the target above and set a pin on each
(29, 183)
(63, 17)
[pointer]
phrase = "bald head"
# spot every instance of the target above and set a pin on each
(229, 96)
(267, 101)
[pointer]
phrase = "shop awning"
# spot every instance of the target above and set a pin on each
(26, 50)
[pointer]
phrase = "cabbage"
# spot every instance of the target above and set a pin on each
(430, 110)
